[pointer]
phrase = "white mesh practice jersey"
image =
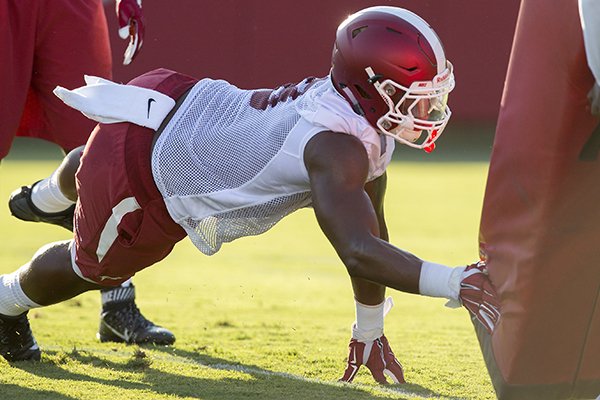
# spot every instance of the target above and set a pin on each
(230, 162)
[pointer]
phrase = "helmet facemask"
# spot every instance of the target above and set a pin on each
(417, 114)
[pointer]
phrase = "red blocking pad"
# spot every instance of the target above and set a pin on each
(540, 225)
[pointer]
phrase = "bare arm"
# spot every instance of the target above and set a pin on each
(338, 167)
(376, 192)
(365, 291)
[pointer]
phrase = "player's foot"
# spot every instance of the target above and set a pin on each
(380, 360)
(479, 296)
(22, 207)
(16, 340)
(122, 321)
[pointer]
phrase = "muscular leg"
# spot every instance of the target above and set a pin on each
(118, 303)
(120, 319)
(49, 277)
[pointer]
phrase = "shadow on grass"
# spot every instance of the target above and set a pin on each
(14, 392)
(253, 382)
(346, 391)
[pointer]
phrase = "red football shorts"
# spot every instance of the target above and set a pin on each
(121, 221)
(45, 43)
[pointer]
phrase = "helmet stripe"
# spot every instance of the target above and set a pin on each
(422, 26)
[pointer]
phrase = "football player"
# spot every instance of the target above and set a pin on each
(39, 51)
(207, 160)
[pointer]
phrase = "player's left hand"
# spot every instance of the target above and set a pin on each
(479, 296)
(594, 99)
(131, 25)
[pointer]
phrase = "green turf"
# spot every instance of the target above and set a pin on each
(266, 318)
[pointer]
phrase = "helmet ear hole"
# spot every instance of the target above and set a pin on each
(357, 31)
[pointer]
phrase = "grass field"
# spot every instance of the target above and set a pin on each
(266, 318)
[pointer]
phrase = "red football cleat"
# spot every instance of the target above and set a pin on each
(381, 361)
(479, 296)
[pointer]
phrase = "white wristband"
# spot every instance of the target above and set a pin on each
(439, 280)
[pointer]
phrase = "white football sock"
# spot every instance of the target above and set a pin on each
(47, 196)
(124, 292)
(438, 280)
(369, 320)
(13, 301)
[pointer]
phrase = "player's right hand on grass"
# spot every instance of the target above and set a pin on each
(131, 26)
(479, 296)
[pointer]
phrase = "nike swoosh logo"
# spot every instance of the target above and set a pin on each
(150, 100)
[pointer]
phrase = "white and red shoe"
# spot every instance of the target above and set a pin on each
(380, 360)
(479, 296)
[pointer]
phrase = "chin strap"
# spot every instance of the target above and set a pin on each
(354, 102)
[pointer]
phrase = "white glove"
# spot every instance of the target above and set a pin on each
(105, 101)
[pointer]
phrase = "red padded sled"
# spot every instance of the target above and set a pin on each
(540, 227)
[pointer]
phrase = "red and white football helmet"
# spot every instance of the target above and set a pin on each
(390, 65)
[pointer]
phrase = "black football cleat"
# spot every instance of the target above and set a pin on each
(22, 207)
(16, 340)
(121, 320)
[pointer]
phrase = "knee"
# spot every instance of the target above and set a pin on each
(49, 278)
(354, 266)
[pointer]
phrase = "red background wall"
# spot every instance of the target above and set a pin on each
(266, 43)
